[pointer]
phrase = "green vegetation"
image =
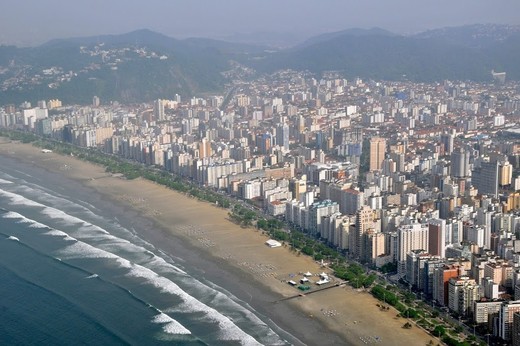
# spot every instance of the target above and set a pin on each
(389, 268)
(385, 295)
(448, 340)
(190, 68)
(242, 215)
(24, 137)
(411, 313)
(354, 274)
(439, 331)
(197, 65)
(404, 57)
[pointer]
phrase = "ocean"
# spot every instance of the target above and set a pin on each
(71, 272)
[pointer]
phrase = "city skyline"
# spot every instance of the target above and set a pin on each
(415, 179)
(386, 168)
(29, 22)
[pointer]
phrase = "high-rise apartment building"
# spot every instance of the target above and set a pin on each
(515, 330)
(318, 211)
(506, 317)
(364, 222)
(158, 110)
(204, 148)
(484, 310)
(298, 187)
(372, 245)
(441, 278)
(351, 201)
(463, 292)
(437, 237)
(505, 173)
(282, 136)
(410, 237)
(377, 153)
(447, 140)
(485, 178)
(460, 163)
(416, 269)
(264, 142)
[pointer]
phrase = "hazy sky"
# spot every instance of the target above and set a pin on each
(29, 22)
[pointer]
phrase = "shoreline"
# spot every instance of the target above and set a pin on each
(233, 257)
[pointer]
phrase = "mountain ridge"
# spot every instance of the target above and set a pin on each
(356, 32)
(376, 54)
(142, 65)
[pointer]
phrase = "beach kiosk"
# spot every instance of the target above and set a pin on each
(273, 243)
(324, 278)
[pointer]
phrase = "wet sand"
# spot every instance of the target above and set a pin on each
(235, 258)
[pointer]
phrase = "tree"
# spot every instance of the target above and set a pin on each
(411, 313)
(389, 268)
(439, 331)
(308, 250)
(369, 280)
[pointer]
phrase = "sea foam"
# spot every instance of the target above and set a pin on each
(23, 219)
(12, 215)
(56, 233)
(84, 250)
(85, 229)
(57, 214)
(239, 313)
(19, 200)
(171, 326)
(228, 330)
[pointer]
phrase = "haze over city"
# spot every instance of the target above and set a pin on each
(260, 172)
(32, 22)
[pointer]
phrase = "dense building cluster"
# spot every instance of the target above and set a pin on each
(423, 177)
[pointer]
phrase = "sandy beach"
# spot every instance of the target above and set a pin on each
(235, 258)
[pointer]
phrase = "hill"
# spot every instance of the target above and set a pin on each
(144, 65)
(134, 67)
(379, 54)
(354, 32)
(474, 36)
